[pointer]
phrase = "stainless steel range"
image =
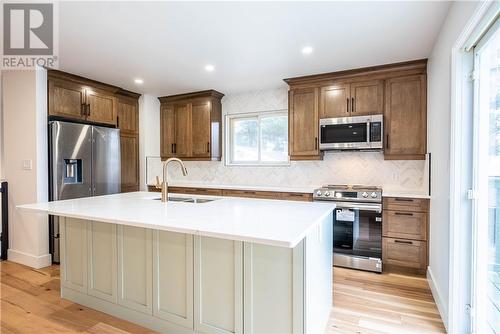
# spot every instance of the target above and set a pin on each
(357, 225)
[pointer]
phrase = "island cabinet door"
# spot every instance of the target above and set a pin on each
(102, 261)
(173, 277)
(74, 253)
(135, 268)
(218, 286)
(273, 289)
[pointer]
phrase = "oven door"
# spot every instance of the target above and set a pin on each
(357, 230)
(344, 133)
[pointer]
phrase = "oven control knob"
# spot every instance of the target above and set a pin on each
(327, 193)
(338, 195)
(318, 193)
(364, 194)
(373, 195)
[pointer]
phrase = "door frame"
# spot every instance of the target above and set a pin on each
(461, 169)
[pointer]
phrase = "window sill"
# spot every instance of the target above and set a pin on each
(278, 164)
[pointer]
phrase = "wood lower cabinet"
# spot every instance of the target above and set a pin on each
(128, 123)
(303, 124)
(191, 126)
(406, 118)
(405, 253)
(405, 230)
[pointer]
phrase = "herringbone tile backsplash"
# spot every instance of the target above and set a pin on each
(368, 168)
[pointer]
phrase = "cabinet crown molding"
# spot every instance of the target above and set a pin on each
(193, 95)
(396, 69)
(60, 75)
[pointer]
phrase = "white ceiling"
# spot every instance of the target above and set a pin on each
(252, 45)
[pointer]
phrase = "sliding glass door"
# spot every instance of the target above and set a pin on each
(486, 232)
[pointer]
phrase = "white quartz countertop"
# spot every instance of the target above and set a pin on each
(271, 222)
(404, 194)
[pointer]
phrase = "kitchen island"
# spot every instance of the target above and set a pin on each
(198, 264)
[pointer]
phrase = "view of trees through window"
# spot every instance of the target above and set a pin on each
(260, 138)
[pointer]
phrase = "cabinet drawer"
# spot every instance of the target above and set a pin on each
(406, 204)
(404, 253)
(195, 191)
(296, 197)
(403, 224)
(252, 194)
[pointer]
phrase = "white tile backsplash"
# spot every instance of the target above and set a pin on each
(368, 168)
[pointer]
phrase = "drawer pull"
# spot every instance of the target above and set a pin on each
(404, 242)
(403, 199)
(249, 192)
(296, 195)
(403, 213)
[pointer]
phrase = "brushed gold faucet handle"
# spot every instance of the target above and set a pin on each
(158, 184)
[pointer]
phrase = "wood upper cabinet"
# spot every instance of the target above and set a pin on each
(303, 141)
(128, 122)
(191, 126)
(183, 130)
(66, 99)
(167, 130)
(352, 99)
(101, 106)
(367, 98)
(335, 101)
(406, 118)
(201, 125)
(78, 98)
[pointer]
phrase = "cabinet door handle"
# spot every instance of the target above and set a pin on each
(88, 109)
(352, 104)
(175, 147)
(347, 110)
(399, 199)
(208, 147)
(83, 108)
(172, 148)
(403, 242)
(387, 141)
(403, 213)
(118, 121)
(315, 143)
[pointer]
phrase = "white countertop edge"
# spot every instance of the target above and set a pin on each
(220, 235)
(405, 194)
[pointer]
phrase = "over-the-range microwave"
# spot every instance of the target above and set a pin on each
(351, 133)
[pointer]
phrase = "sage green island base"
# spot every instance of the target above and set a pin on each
(181, 283)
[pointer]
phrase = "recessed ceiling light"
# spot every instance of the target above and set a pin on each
(139, 81)
(307, 50)
(209, 68)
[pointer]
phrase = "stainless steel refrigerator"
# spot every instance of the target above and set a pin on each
(84, 160)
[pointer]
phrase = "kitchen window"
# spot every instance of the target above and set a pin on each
(257, 138)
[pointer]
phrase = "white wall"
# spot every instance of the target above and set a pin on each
(439, 111)
(149, 133)
(368, 168)
(24, 99)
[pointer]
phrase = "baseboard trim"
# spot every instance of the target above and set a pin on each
(438, 298)
(29, 260)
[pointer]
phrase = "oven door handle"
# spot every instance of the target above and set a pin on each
(359, 206)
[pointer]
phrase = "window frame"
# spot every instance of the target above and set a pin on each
(228, 142)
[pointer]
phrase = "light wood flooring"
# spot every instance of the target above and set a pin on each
(363, 303)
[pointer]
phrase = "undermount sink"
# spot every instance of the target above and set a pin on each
(188, 199)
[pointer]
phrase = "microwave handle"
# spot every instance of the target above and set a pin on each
(368, 135)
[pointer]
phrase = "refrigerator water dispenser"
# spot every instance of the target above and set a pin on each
(72, 171)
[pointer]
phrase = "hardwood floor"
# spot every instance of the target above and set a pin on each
(363, 303)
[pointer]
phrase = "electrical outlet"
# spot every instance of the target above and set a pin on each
(28, 164)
